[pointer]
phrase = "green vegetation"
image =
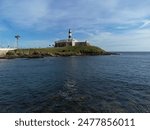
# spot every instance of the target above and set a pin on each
(59, 51)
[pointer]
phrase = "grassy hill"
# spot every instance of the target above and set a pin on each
(59, 51)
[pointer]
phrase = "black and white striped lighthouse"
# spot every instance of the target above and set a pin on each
(69, 34)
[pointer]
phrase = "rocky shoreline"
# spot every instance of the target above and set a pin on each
(56, 52)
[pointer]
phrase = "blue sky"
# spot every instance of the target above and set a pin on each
(114, 25)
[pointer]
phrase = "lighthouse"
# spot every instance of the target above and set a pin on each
(70, 41)
(69, 34)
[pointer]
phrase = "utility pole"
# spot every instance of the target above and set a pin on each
(17, 37)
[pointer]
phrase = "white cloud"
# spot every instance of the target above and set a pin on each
(25, 13)
(146, 23)
(81, 13)
(135, 40)
(34, 44)
(98, 20)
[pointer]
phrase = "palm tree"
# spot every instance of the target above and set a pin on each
(17, 37)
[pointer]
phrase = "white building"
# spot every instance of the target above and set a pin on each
(70, 41)
(3, 51)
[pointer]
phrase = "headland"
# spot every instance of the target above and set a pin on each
(65, 47)
(55, 52)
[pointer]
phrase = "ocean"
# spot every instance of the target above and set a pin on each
(116, 83)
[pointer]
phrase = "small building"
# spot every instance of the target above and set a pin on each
(70, 41)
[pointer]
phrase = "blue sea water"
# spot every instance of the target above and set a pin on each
(116, 83)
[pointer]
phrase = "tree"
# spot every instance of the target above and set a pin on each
(17, 37)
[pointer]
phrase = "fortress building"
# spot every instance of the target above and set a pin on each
(70, 41)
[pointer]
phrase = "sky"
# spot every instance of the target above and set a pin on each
(114, 25)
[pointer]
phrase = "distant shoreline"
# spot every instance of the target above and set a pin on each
(56, 52)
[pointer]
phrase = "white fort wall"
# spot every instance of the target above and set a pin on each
(3, 51)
